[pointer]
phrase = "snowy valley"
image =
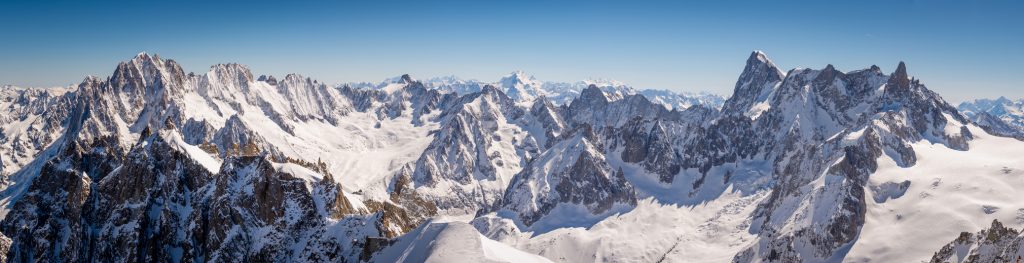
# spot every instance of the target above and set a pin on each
(805, 165)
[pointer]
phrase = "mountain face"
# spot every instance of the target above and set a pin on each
(755, 85)
(484, 139)
(572, 173)
(153, 164)
(168, 206)
(122, 174)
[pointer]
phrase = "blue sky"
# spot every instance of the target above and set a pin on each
(963, 49)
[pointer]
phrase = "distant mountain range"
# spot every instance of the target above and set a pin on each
(805, 165)
(524, 88)
(1003, 116)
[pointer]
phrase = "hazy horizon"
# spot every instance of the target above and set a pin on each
(958, 49)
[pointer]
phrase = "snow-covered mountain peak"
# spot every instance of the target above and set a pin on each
(593, 93)
(760, 59)
(606, 83)
(390, 85)
(759, 55)
(232, 67)
(150, 64)
(830, 68)
(519, 76)
(231, 74)
(521, 87)
(147, 70)
(293, 77)
(492, 94)
(517, 79)
(875, 68)
(144, 56)
(407, 79)
(759, 79)
(446, 79)
(828, 74)
(490, 89)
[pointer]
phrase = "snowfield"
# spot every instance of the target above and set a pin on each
(452, 242)
(950, 192)
(651, 232)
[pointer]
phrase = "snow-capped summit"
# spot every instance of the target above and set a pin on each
(407, 79)
(147, 71)
(759, 56)
(759, 78)
(520, 86)
(517, 76)
(604, 83)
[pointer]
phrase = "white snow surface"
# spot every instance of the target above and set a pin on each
(949, 193)
(361, 150)
(211, 163)
(451, 242)
(651, 232)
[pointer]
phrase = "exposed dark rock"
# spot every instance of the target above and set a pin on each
(995, 244)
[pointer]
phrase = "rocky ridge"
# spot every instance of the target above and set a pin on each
(167, 163)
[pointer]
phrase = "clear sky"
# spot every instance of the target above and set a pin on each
(963, 49)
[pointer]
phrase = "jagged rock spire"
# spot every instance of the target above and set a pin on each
(828, 74)
(899, 81)
(407, 79)
(759, 77)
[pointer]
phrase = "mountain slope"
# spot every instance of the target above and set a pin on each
(109, 159)
(568, 182)
(482, 142)
(809, 165)
(451, 242)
